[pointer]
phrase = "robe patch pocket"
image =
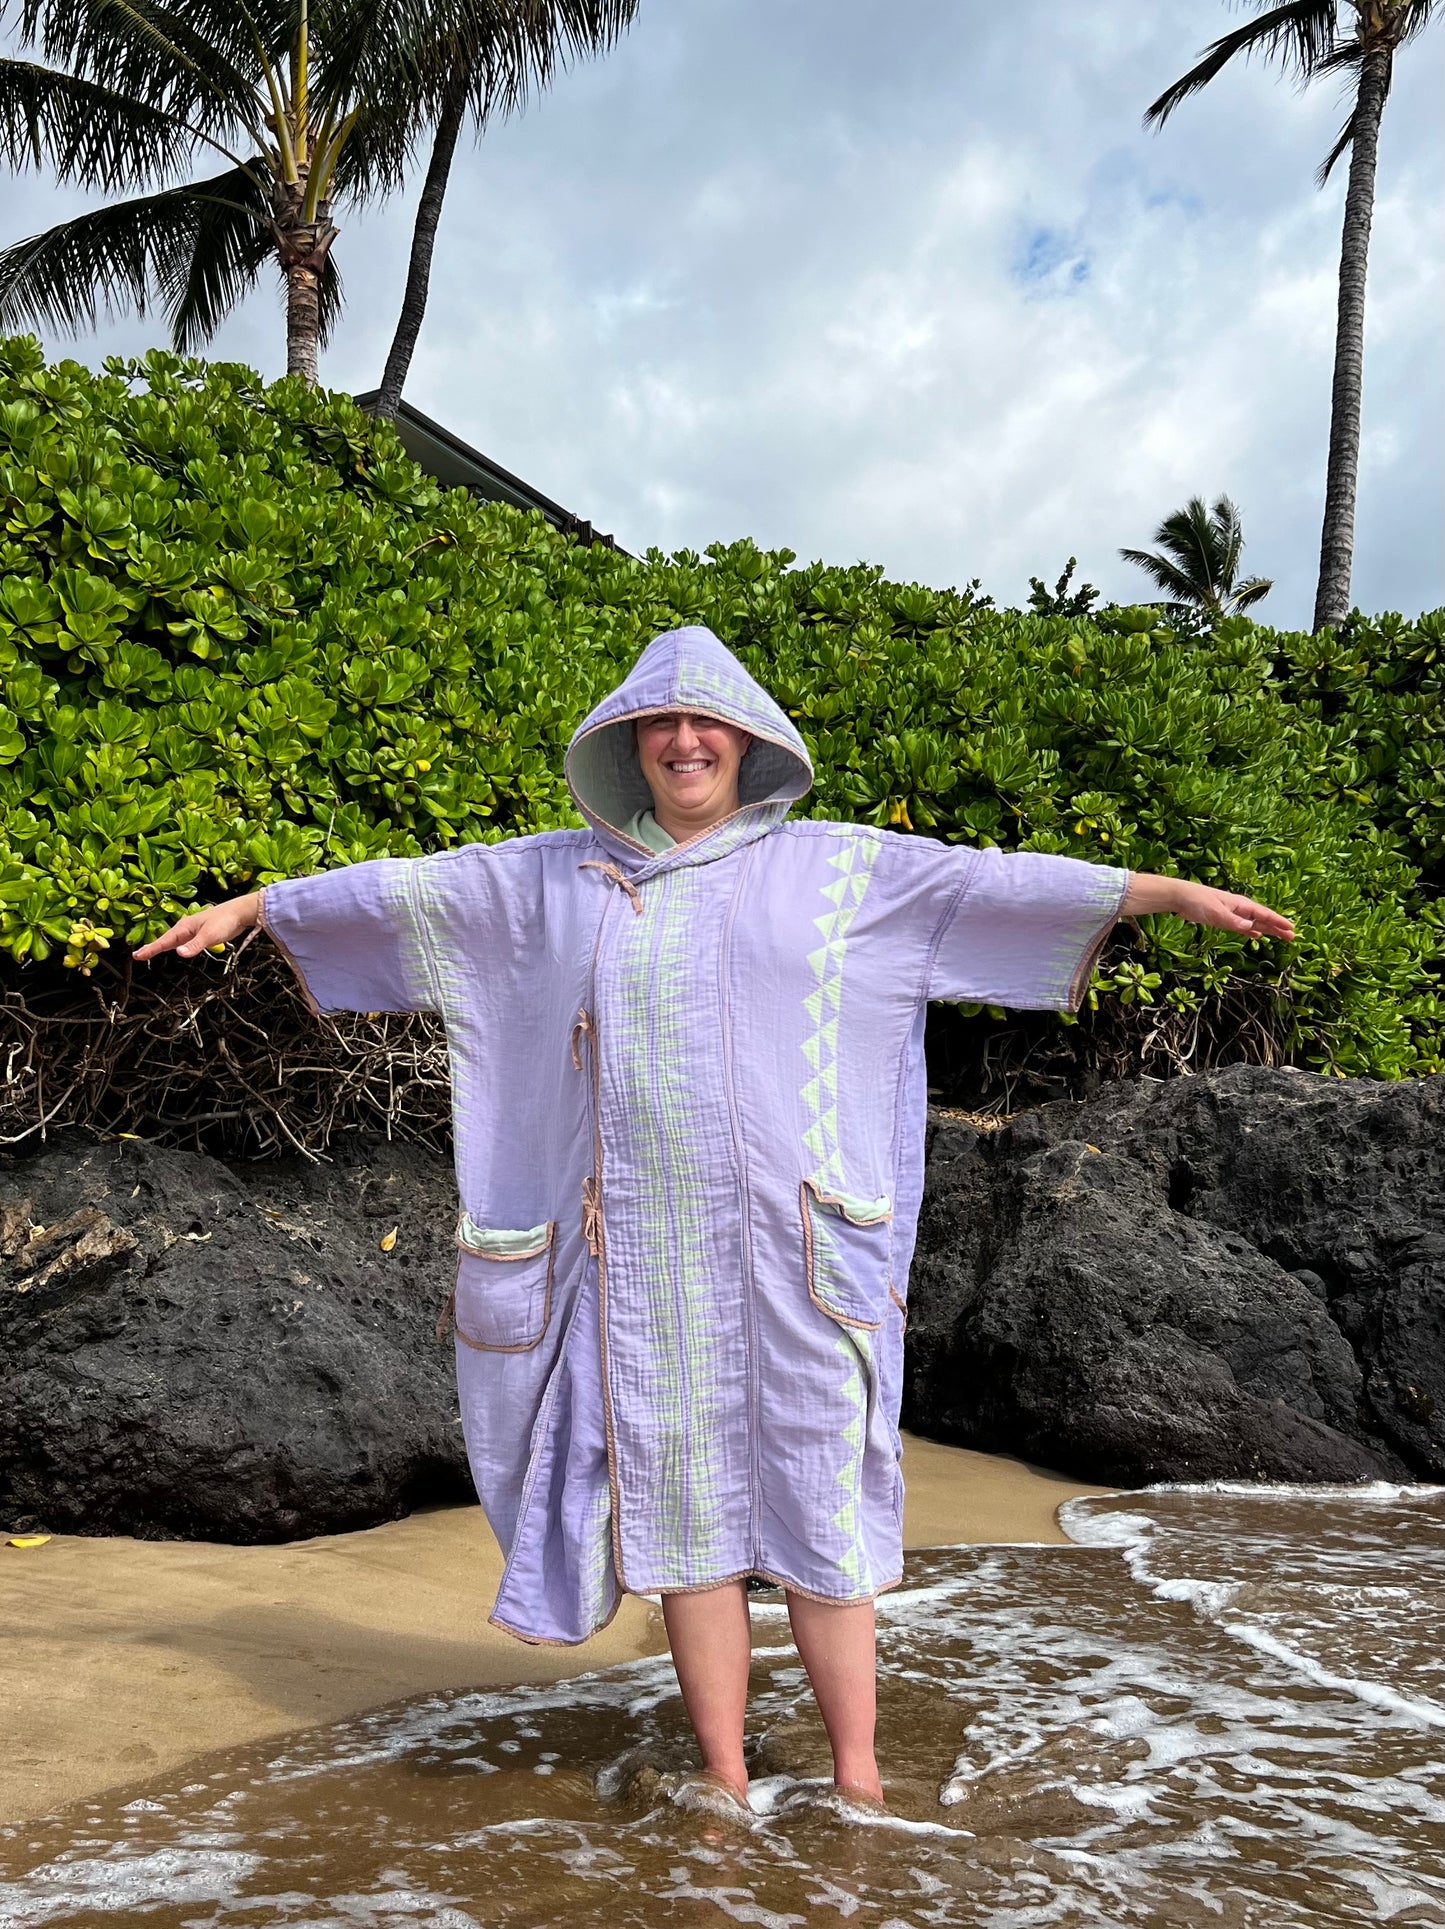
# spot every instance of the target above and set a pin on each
(846, 1253)
(503, 1295)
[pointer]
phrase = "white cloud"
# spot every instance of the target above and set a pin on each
(913, 285)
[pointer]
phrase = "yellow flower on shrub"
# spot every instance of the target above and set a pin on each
(84, 943)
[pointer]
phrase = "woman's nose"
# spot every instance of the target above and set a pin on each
(685, 737)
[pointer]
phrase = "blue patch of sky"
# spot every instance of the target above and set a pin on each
(1178, 198)
(1050, 260)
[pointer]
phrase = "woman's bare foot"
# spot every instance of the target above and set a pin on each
(863, 1799)
(738, 1789)
(855, 1772)
(710, 1793)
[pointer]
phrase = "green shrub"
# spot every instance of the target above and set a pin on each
(241, 636)
(1378, 690)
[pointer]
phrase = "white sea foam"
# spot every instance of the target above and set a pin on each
(1117, 1529)
(1350, 1491)
(120, 1884)
(1102, 1759)
(1149, 1547)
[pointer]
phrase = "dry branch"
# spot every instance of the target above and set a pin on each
(218, 1054)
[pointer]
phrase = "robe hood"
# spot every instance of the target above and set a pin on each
(687, 669)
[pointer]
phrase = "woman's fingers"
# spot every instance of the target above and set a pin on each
(200, 930)
(1267, 923)
(187, 936)
(1243, 914)
(168, 940)
(1230, 911)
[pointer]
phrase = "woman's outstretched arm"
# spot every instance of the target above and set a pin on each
(355, 936)
(217, 924)
(1202, 904)
(1024, 929)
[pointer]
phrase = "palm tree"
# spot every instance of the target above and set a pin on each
(1199, 568)
(301, 103)
(1311, 39)
(481, 58)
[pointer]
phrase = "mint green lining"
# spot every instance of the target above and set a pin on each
(643, 828)
(862, 1212)
(493, 1244)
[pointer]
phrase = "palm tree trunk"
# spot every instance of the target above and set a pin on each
(423, 241)
(303, 319)
(1337, 543)
(301, 248)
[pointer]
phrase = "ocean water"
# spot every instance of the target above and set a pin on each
(1220, 1707)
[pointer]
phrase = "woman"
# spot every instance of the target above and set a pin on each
(689, 1095)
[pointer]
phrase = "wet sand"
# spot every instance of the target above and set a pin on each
(1219, 1707)
(121, 1658)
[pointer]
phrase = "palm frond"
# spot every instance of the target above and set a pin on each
(85, 131)
(1165, 574)
(1299, 34)
(1228, 541)
(1344, 57)
(537, 41)
(331, 299)
(170, 58)
(1198, 557)
(231, 241)
(373, 159)
(153, 42)
(101, 263)
(1189, 535)
(404, 58)
(1344, 141)
(1418, 15)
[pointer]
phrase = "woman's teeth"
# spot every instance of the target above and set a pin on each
(682, 770)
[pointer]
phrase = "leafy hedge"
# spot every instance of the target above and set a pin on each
(241, 636)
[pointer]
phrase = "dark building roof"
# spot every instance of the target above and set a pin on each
(456, 465)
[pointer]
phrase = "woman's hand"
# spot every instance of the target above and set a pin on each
(217, 924)
(1202, 904)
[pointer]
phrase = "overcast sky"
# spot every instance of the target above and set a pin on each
(909, 284)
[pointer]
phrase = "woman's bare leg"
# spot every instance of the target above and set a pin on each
(838, 1647)
(710, 1635)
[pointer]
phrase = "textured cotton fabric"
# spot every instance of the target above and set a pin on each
(643, 828)
(689, 1097)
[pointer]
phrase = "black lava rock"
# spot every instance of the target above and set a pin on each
(1239, 1275)
(196, 1350)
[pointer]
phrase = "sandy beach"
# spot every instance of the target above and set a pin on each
(123, 1658)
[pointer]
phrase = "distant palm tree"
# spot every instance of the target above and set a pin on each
(1312, 39)
(303, 103)
(1199, 569)
(480, 58)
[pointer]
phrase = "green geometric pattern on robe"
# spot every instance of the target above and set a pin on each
(844, 893)
(856, 1350)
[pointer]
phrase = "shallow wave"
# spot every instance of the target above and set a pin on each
(1135, 1731)
(1341, 1584)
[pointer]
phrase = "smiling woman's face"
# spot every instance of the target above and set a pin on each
(691, 764)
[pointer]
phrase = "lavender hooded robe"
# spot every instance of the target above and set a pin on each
(689, 1098)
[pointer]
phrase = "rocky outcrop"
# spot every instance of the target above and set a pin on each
(1239, 1275)
(235, 1353)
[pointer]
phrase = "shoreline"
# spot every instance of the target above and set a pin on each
(125, 1658)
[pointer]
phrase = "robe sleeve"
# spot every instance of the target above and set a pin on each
(355, 937)
(1023, 928)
